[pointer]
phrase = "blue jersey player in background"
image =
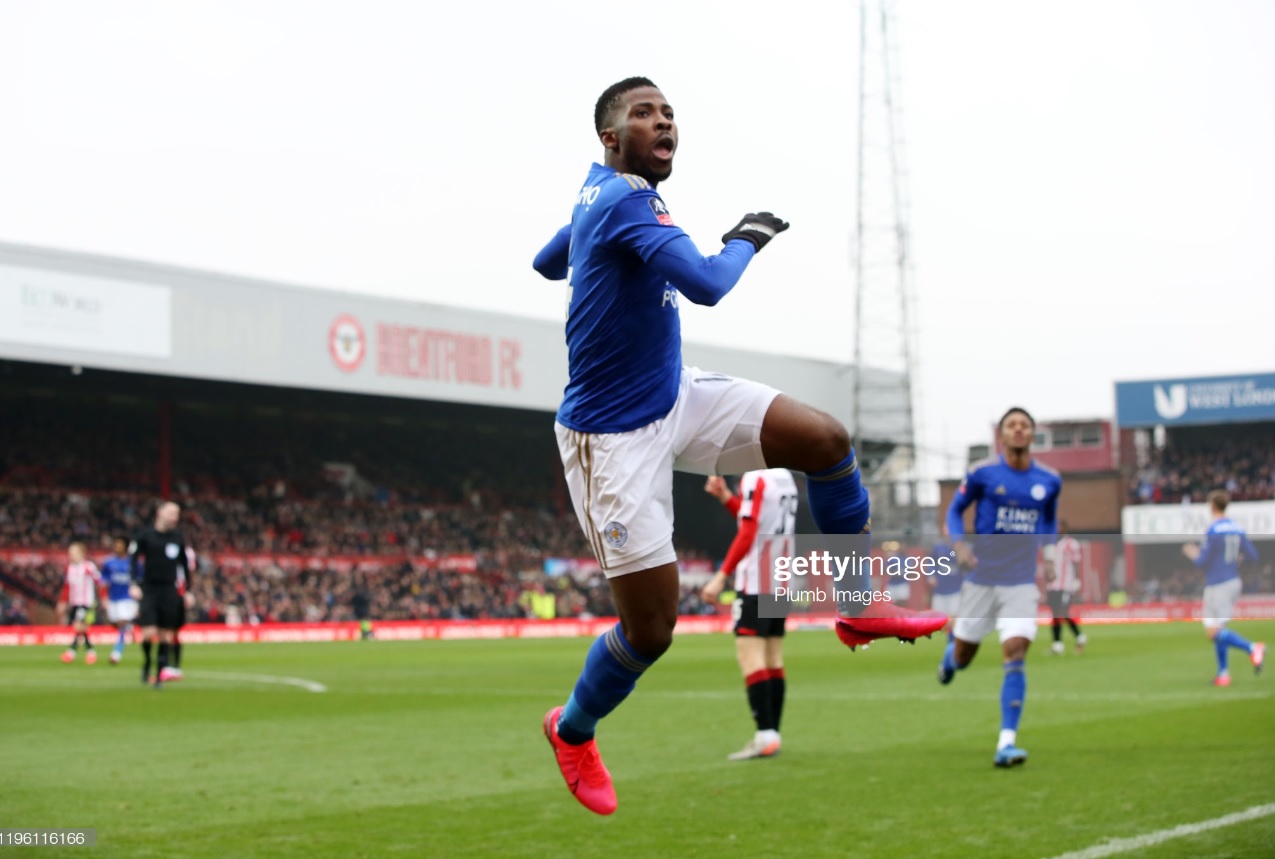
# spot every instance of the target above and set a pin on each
(1225, 545)
(1015, 502)
(121, 608)
(632, 413)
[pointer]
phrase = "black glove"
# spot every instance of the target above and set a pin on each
(758, 229)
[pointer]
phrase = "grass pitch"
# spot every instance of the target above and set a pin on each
(434, 749)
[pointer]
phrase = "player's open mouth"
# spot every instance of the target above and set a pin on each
(664, 148)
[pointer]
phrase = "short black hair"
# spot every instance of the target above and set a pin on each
(1016, 410)
(610, 100)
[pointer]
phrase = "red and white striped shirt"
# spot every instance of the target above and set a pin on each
(767, 510)
(1067, 560)
(83, 581)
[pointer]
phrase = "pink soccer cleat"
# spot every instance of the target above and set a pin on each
(1257, 656)
(170, 675)
(582, 768)
(67, 656)
(882, 620)
(90, 657)
(1222, 680)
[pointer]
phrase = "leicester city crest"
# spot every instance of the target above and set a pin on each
(615, 534)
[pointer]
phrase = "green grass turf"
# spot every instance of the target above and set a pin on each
(434, 749)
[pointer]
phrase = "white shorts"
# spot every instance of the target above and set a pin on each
(1219, 603)
(1009, 609)
(121, 611)
(949, 604)
(622, 483)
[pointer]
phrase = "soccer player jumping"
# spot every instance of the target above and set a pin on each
(632, 413)
(1017, 499)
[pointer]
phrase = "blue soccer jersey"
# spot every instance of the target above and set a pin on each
(1013, 508)
(1225, 545)
(626, 264)
(945, 584)
(117, 573)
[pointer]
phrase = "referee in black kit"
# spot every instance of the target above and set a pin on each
(157, 554)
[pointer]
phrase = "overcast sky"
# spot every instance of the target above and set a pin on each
(1092, 182)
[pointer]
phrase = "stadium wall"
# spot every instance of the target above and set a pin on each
(1169, 523)
(1260, 608)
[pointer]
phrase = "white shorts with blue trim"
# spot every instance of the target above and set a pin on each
(622, 483)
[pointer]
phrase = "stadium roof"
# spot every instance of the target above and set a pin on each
(59, 307)
(1240, 398)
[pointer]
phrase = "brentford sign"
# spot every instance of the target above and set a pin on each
(347, 343)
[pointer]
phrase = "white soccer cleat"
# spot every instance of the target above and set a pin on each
(1057, 648)
(1081, 641)
(755, 749)
(116, 656)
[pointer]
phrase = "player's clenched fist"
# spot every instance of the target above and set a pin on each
(757, 228)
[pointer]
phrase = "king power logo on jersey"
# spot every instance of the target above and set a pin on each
(1016, 520)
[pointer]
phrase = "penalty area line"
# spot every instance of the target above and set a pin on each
(300, 682)
(1139, 842)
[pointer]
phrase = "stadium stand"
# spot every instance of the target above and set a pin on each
(1188, 467)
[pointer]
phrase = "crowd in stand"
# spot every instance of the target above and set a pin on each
(13, 609)
(1185, 471)
(49, 518)
(1185, 583)
(279, 593)
(409, 542)
(334, 488)
(319, 485)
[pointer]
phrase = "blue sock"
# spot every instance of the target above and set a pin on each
(611, 670)
(840, 505)
(119, 645)
(838, 501)
(1013, 695)
(949, 656)
(1219, 647)
(1231, 638)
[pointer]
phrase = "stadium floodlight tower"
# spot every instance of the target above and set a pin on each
(885, 365)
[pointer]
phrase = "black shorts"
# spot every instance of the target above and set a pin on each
(162, 608)
(748, 623)
(1059, 603)
(76, 614)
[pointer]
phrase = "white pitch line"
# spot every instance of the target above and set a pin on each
(308, 685)
(1139, 842)
(1210, 696)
